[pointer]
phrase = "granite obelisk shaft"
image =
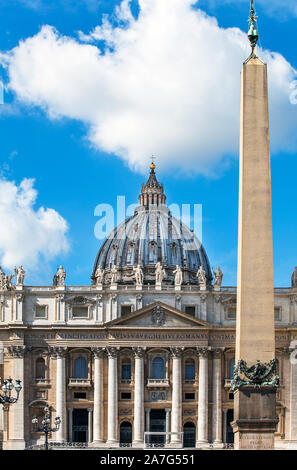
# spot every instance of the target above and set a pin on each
(254, 409)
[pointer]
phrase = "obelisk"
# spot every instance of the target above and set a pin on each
(255, 380)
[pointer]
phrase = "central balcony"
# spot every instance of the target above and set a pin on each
(80, 382)
(158, 383)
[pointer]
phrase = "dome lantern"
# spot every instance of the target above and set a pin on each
(152, 193)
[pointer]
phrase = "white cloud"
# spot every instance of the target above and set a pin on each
(28, 235)
(168, 83)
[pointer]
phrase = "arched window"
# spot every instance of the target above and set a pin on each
(80, 368)
(190, 370)
(158, 368)
(40, 368)
(113, 255)
(173, 253)
(126, 369)
(231, 364)
(131, 253)
(153, 252)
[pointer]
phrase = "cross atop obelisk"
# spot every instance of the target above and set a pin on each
(255, 378)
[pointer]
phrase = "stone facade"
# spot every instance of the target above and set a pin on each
(79, 349)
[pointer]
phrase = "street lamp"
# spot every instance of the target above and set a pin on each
(46, 424)
(7, 388)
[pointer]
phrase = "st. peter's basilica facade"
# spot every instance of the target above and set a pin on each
(148, 347)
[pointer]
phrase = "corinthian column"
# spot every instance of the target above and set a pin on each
(176, 396)
(217, 398)
(58, 353)
(203, 398)
(17, 429)
(112, 408)
(138, 397)
(98, 395)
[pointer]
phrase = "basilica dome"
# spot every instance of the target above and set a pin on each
(152, 234)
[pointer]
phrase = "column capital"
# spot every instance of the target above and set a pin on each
(286, 351)
(98, 352)
(177, 351)
(60, 297)
(113, 351)
(139, 351)
(217, 352)
(203, 352)
(57, 351)
(20, 297)
(16, 351)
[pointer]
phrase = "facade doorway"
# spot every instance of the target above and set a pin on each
(80, 425)
(230, 434)
(189, 437)
(126, 433)
(157, 424)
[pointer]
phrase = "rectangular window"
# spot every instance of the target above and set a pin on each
(190, 372)
(126, 396)
(80, 312)
(40, 311)
(189, 396)
(78, 395)
(126, 309)
(190, 310)
(231, 313)
(126, 371)
(277, 313)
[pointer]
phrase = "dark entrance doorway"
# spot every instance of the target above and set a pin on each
(189, 439)
(126, 433)
(157, 424)
(230, 435)
(80, 425)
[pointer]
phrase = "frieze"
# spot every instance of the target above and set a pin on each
(222, 337)
(82, 336)
(36, 336)
(160, 336)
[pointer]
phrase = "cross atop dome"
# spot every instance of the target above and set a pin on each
(152, 192)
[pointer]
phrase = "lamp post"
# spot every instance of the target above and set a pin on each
(46, 424)
(7, 388)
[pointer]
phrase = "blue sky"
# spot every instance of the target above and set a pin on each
(54, 131)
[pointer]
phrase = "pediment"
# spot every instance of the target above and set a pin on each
(158, 315)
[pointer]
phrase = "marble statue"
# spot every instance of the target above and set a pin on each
(138, 273)
(178, 279)
(114, 274)
(218, 277)
(20, 276)
(7, 282)
(2, 276)
(99, 275)
(294, 277)
(159, 273)
(59, 277)
(201, 276)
